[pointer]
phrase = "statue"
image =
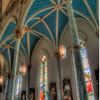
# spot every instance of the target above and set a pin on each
(23, 95)
(67, 90)
(32, 94)
(53, 92)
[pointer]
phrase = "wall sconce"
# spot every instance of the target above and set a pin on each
(23, 70)
(1, 79)
(62, 51)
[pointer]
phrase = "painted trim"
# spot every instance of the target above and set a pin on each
(8, 38)
(34, 34)
(12, 19)
(42, 35)
(50, 32)
(24, 49)
(53, 2)
(26, 12)
(91, 12)
(39, 12)
(85, 17)
(57, 19)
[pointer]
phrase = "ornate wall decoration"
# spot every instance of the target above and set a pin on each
(67, 93)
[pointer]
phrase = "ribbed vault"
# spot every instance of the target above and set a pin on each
(44, 19)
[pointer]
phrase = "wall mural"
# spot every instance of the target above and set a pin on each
(53, 91)
(67, 93)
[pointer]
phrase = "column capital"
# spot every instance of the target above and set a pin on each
(57, 54)
(19, 33)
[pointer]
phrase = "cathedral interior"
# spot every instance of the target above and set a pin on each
(49, 49)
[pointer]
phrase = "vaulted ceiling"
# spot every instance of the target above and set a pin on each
(45, 19)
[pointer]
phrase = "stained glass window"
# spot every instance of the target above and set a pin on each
(86, 68)
(43, 79)
(19, 85)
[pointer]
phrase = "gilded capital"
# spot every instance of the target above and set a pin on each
(57, 54)
(19, 32)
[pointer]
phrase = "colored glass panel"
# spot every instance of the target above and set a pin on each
(19, 85)
(89, 87)
(91, 97)
(86, 70)
(43, 79)
(85, 63)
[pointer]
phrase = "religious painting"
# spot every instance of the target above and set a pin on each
(67, 93)
(53, 91)
(32, 94)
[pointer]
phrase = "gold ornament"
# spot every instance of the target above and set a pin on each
(19, 33)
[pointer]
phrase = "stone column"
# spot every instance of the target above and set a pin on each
(59, 85)
(6, 86)
(28, 81)
(82, 92)
(18, 33)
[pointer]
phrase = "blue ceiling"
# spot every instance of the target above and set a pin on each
(51, 25)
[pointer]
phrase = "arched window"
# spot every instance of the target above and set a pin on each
(86, 68)
(43, 79)
(19, 84)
